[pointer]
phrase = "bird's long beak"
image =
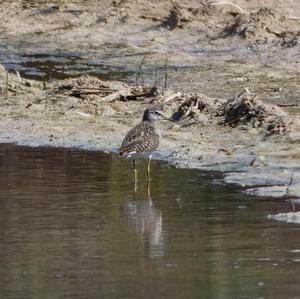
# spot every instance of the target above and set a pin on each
(167, 118)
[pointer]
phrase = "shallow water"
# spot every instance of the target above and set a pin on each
(34, 62)
(71, 227)
(58, 65)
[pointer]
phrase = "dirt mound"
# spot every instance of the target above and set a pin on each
(91, 88)
(87, 88)
(247, 108)
(169, 14)
(195, 105)
(181, 15)
(243, 109)
(262, 26)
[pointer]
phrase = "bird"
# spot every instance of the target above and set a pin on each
(143, 139)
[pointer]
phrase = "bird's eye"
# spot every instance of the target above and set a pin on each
(157, 113)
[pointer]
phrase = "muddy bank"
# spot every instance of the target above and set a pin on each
(228, 72)
(213, 47)
(255, 143)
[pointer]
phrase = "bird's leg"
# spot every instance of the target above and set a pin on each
(148, 169)
(134, 175)
(149, 178)
(149, 190)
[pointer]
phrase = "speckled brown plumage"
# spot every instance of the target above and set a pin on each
(143, 138)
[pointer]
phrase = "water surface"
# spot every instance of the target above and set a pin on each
(71, 227)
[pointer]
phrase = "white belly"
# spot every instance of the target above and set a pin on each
(145, 154)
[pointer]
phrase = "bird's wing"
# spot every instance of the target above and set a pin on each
(140, 131)
(137, 139)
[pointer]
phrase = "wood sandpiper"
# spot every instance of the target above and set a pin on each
(143, 139)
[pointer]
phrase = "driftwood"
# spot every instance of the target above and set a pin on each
(172, 97)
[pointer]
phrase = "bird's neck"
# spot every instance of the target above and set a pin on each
(152, 122)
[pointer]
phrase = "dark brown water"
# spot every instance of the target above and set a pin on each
(33, 63)
(70, 227)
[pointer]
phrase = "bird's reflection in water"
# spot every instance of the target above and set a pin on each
(147, 222)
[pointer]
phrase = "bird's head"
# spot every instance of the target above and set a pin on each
(154, 113)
